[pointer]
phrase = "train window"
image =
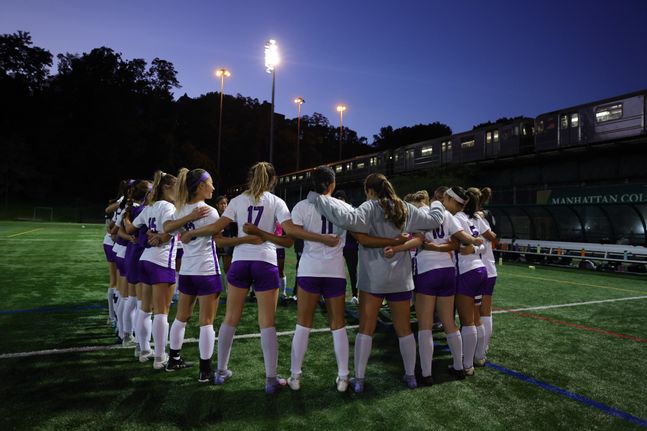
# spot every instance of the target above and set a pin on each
(360, 165)
(449, 145)
(550, 124)
(349, 166)
(575, 120)
(373, 161)
(608, 113)
(488, 137)
(540, 126)
(495, 136)
(427, 151)
(287, 179)
(443, 147)
(515, 130)
(300, 177)
(294, 177)
(338, 168)
(468, 143)
(563, 122)
(527, 130)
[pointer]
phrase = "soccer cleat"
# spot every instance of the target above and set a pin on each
(222, 376)
(119, 340)
(342, 383)
(410, 381)
(469, 371)
(145, 356)
(128, 340)
(480, 362)
(459, 374)
(175, 364)
(272, 384)
(138, 350)
(354, 300)
(160, 363)
(294, 383)
(357, 385)
(427, 380)
(205, 376)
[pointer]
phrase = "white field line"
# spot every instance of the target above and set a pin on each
(284, 333)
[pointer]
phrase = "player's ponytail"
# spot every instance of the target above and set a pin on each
(187, 185)
(394, 209)
(260, 179)
(472, 205)
(160, 181)
(321, 179)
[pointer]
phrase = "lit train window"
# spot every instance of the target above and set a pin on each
(287, 179)
(300, 177)
(360, 165)
(540, 126)
(373, 161)
(495, 136)
(468, 144)
(294, 177)
(608, 113)
(349, 166)
(338, 168)
(443, 147)
(488, 137)
(449, 145)
(575, 120)
(515, 131)
(563, 122)
(281, 180)
(427, 151)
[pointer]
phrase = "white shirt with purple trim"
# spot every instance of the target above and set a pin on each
(264, 213)
(200, 253)
(427, 260)
(472, 261)
(488, 255)
(154, 218)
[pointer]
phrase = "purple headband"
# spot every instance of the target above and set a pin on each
(205, 175)
(131, 182)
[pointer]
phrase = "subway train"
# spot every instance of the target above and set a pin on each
(609, 120)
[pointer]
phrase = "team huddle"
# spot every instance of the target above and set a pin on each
(436, 253)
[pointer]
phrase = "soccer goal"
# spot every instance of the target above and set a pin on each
(43, 214)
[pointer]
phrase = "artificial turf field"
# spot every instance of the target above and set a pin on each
(578, 363)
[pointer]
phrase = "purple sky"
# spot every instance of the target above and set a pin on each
(391, 63)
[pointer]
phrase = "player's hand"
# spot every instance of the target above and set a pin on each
(186, 237)
(388, 252)
(402, 238)
(467, 249)
(331, 240)
(478, 241)
(251, 229)
(199, 212)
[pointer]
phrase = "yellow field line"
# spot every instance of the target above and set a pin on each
(29, 231)
(554, 280)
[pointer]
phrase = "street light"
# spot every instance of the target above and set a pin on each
(299, 101)
(222, 74)
(341, 109)
(271, 60)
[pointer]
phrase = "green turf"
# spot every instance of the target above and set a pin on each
(62, 265)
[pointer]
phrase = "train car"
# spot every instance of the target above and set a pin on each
(611, 119)
(421, 155)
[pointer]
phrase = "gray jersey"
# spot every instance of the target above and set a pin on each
(376, 273)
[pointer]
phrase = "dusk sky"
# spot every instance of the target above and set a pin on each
(391, 63)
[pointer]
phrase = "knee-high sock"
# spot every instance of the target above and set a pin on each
(129, 306)
(111, 303)
(160, 334)
(340, 344)
(270, 345)
(207, 341)
(134, 315)
(426, 348)
(282, 286)
(299, 347)
(480, 343)
(119, 311)
(487, 326)
(225, 340)
(469, 345)
(363, 345)
(177, 334)
(144, 331)
(289, 290)
(455, 343)
(408, 352)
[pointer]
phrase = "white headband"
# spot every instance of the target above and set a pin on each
(454, 196)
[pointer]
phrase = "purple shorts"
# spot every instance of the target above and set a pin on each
(472, 283)
(199, 285)
(328, 287)
(110, 255)
(132, 266)
(437, 282)
(280, 253)
(243, 273)
(121, 267)
(151, 273)
(489, 286)
(398, 296)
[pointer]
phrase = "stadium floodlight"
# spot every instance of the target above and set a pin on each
(271, 60)
(222, 74)
(299, 101)
(341, 109)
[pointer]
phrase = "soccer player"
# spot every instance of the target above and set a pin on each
(226, 252)
(256, 211)
(382, 217)
(350, 255)
(111, 257)
(320, 274)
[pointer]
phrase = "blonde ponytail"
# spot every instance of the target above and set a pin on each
(181, 189)
(260, 179)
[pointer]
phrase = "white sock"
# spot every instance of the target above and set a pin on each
(144, 330)
(363, 345)
(299, 347)
(340, 344)
(177, 334)
(487, 326)
(134, 314)
(225, 340)
(119, 310)
(207, 341)
(289, 290)
(455, 343)
(408, 352)
(282, 285)
(111, 303)
(160, 334)
(126, 314)
(270, 345)
(426, 348)
(469, 345)
(480, 343)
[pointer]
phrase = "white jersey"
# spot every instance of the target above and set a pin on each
(472, 261)
(107, 238)
(120, 250)
(488, 255)
(319, 260)
(265, 213)
(427, 260)
(199, 256)
(154, 218)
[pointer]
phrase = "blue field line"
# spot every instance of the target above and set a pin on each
(55, 309)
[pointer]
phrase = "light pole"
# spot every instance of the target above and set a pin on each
(222, 74)
(341, 109)
(271, 60)
(299, 101)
